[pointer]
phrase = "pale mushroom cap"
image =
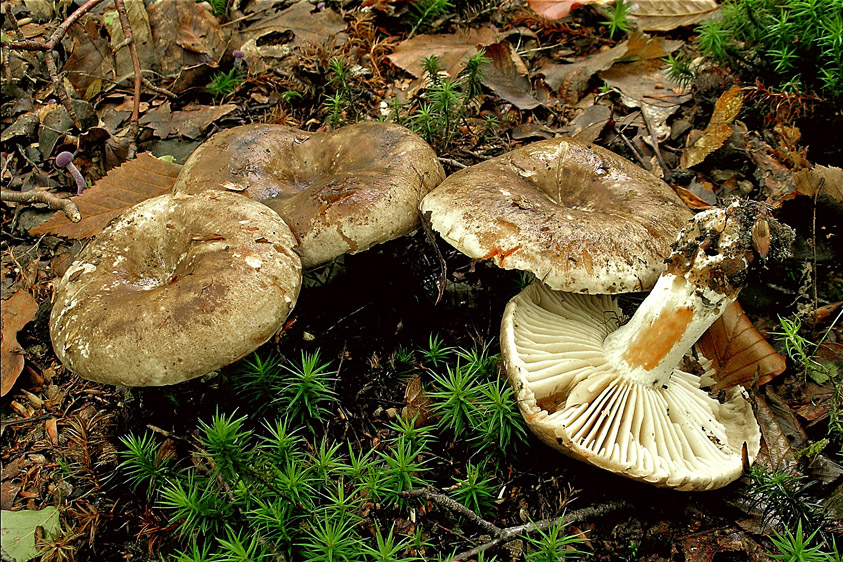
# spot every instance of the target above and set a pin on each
(575, 400)
(341, 192)
(579, 217)
(174, 288)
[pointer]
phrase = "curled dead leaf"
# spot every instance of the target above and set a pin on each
(17, 311)
(739, 352)
(719, 128)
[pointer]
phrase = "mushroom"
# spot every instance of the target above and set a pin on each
(619, 396)
(578, 216)
(65, 160)
(589, 222)
(341, 192)
(175, 287)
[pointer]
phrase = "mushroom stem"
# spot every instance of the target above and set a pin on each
(705, 274)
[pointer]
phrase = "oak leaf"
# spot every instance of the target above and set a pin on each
(739, 351)
(17, 311)
(123, 187)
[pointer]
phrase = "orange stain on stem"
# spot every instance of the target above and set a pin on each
(652, 344)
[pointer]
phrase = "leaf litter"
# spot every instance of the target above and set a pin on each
(542, 82)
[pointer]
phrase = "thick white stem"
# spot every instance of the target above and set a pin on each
(664, 328)
(703, 278)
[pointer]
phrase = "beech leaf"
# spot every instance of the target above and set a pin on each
(718, 130)
(665, 15)
(738, 350)
(17, 311)
(19, 528)
(505, 79)
(123, 187)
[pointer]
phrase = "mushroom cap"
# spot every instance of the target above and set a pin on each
(174, 288)
(64, 158)
(573, 399)
(578, 216)
(341, 192)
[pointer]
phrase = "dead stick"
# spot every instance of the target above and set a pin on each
(127, 31)
(58, 88)
(57, 35)
(158, 90)
(51, 200)
(451, 505)
(569, 518)
(11, 18)
(665, 170)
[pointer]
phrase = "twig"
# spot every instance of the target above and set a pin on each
(503, 535)
(47, 48)
(127, 31)
(51, 200)
(453, 163)
(814, 251)
(632, 148)
(566, 519)
(158, 90)
(451, 505)
(11, 18)
(665, 170)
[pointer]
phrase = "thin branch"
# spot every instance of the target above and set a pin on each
(665, 169)
(163, 91)
(127, 31)
(58, 88)
(52, 200)
(57, 35)
(451, 505)
(569, 518)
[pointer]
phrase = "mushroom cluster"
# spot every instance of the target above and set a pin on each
(590, 223)
(185, 283)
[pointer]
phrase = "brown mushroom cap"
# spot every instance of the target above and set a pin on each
(174, 288)
(340, 192)
(580, 217)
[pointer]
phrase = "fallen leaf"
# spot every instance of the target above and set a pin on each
(17, 311)
(190, 123)
(90, 58)
(451, 50)
(779, 453)
(569, 81)
(51, 428)
(19, 527)
(141, 36)
(665, 15)
(504, 77)
(131, 183)
(555, 9)
(828, 180)
(417, 403)
(275, 37)
(690, 199)
(738, 350)
(185, 34)
(719, 128)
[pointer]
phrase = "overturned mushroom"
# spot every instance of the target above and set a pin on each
(617, 396)
(579, 217)
(174, 288)
(340, 192)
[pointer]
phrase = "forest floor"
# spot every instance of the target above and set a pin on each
(374, 315)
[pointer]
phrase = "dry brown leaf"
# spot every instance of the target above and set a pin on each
(555, 9)
(275, 37)
(185, 34)
(779, 454)
(719, 128)
(690, 199)
(738, 351)
(141, 36)
(90, 58)
(505, 78)
(827, 179)
(17, 311)
(451, 50)
(131, 183)
(189, 123)
(417, 403)
(664, 15)
(51, 428)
